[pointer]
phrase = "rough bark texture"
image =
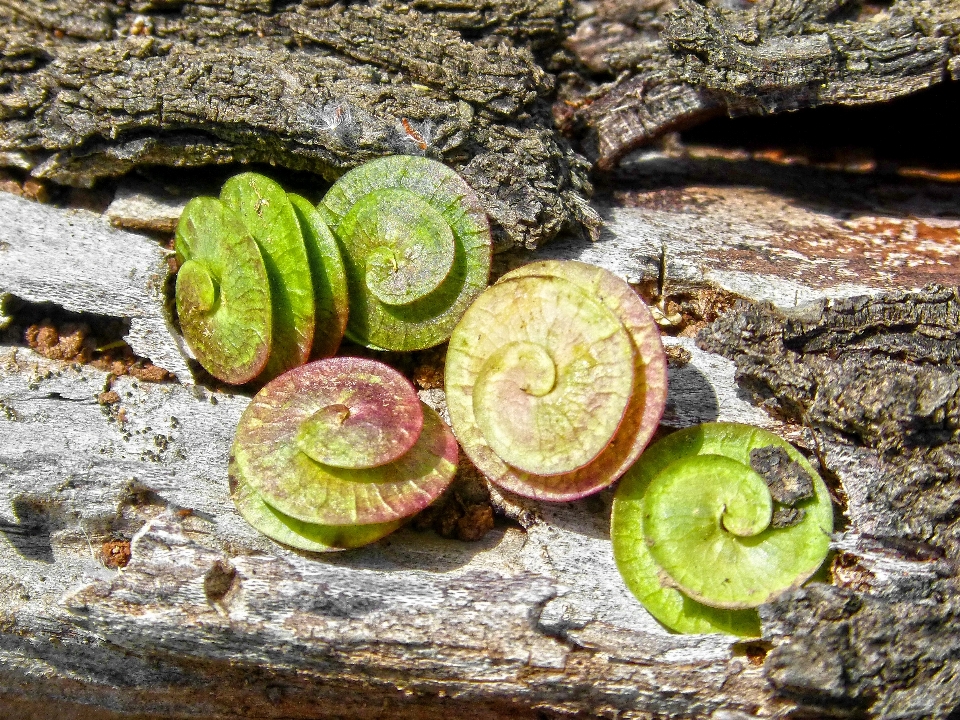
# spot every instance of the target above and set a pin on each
(877, 379)
(95, 89)
(669, 65)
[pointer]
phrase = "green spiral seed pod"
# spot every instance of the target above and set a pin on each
(269, 217)
(261, 286)
(222, 293)
(297, 533)
(328, 276)
(416, 247)
(703, 530)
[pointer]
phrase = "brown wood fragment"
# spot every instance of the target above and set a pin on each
(877, 380)
(655, 67)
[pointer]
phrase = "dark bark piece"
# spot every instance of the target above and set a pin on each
(841, 653)
(317, 88)
(877, 373)
(878, 381)
(678, 66)
(647, 97)
(784, 56)
(541, 23)
(499, 79)
(789, 483)
(882, 370)
(641, 109)
(786, 517)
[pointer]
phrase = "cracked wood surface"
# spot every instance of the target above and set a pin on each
(533, 620)
(88, 266)
(527, 618)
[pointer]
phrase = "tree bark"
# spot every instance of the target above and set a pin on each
(96, 89)
(671, 65)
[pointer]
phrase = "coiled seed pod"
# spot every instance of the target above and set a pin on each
(715, 520)
(268, 216)
(555, 380)
(288, 530)
(261, 285)
(331, 448)
(222, 293)
(416, 247)
(328, 276)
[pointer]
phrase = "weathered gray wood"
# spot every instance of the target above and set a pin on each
(405, 623)
(146, 206)
(526, 616)
(211, 619)
(76, 260)
(762, 245)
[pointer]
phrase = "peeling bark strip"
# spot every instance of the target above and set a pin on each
(677, 64)
(878, 381)
(94, 90)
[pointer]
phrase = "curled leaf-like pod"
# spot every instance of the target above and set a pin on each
(416, 247)
(313, 537)
(269, 217)
(261, 287)
(338, 443)
(704, 532)
(222, 292)
(328, 276)
(556, 380)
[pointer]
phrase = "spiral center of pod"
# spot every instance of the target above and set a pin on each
(322, 437)
(557, 377)
(408, 246)
(197, 289)
(361, 421)
(705, 518)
